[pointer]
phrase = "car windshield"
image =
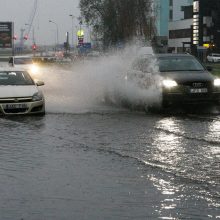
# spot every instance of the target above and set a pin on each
(179, 63)
(15, 78)
(23, 60)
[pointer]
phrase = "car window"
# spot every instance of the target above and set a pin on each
(172, 63)
(15, 78)
(23, 60)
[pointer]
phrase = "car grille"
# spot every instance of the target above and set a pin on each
(16, 100)
(14, 111)
(196, 84)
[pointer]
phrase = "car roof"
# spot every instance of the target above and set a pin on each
(215, 54)
(147, 50)
(160, 55)
(12, 69)
(23, 56)
(173, 55)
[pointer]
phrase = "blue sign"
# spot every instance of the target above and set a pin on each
(87, 45)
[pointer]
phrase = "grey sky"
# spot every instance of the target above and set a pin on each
(19, 11)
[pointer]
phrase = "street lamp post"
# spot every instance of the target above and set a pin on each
(57, 31)
(80, 24)
(72, 16)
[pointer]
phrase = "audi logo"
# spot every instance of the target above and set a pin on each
(197, 85)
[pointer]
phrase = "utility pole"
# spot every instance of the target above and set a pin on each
(72, 16)
(57, 32)
(34, 44)
(22, 38)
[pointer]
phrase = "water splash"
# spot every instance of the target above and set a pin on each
(91, 85)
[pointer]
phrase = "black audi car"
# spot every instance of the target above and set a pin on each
(183, 80)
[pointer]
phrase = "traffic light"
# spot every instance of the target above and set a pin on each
(26, 37)
(15, 37)
(34, 47)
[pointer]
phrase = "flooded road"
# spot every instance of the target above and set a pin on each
(89, 160)
(112, 165)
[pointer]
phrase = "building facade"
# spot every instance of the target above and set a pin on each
(161, 18)
(206, 24)
(194, 25)
(180, 22)
(161, 8)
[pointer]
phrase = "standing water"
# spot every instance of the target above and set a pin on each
(92, 159)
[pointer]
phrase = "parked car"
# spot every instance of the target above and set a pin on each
(25, 62)
(19, 93)
(182, 79)
(213, 57)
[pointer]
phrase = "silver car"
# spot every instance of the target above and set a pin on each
(19, 93)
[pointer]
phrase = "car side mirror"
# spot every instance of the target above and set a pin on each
(39, 83)
(209, 68)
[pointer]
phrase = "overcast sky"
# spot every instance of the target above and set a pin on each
(19, 12)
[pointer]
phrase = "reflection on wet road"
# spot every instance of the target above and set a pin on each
(88, 160)
(111, 164)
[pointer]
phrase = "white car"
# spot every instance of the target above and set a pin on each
(145, 51)
(25, 62)
(213, 57)
(19, 93)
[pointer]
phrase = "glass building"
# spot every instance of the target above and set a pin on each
(161, 8)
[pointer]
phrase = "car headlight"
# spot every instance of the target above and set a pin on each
(34, 69)
(168, 83)
(217, 82)
(38, 96)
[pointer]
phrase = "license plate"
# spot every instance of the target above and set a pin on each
(14, 106)
(200, 90)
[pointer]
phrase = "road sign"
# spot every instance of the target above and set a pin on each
(80, 33)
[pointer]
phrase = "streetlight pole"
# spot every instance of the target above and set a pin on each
(57, 31)
(80, 23)
(72, 16)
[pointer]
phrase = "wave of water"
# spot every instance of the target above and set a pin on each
(94, 85)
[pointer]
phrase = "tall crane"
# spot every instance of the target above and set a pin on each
(25, 32)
